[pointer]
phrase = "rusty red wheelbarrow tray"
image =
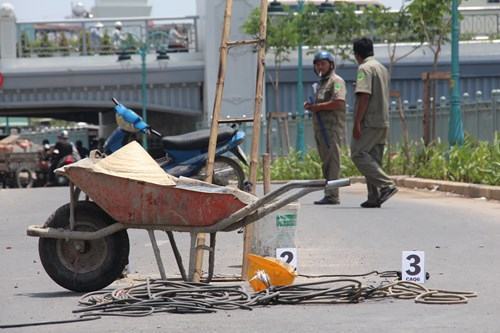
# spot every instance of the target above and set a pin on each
(190, 206)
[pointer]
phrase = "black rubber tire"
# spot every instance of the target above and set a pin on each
(224, 161)
(20, 182)
(99, 263)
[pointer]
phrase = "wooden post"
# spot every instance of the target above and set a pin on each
(214, 129)
(254, 156)
(427, 78)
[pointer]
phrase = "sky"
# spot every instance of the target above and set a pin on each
(58, 9)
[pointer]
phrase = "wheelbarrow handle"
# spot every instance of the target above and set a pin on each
(337, 183)
(306, 187)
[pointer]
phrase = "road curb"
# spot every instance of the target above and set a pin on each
(466, 189)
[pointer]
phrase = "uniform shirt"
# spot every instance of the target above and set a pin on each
(331, 88)
(373, 79)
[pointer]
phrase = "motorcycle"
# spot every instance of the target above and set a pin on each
(46, 158)
(186, 154)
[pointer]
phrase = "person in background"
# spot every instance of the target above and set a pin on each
(82, 151)
(371, 123)
(95, 37)
(117, 36)
(61, 149)
(328, 108)
(177, 42)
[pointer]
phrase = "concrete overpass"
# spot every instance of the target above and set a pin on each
(79, 88)
(181, 90)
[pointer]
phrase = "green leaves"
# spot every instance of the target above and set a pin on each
(474, 162)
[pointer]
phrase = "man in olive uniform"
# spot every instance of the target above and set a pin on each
(371, 124)
(328, 110)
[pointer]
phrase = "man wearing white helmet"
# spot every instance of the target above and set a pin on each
(61, 149)
(328, 108)
(117, 36)
(95, 37)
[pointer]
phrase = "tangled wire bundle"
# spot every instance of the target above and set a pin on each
(156, 296)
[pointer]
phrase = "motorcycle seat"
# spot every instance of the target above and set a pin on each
(196, 140)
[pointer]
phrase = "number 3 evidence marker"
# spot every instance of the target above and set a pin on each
(413, 268)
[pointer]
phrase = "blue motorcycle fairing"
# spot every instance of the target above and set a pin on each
(131, 117)
(238, 137)
(115, 141)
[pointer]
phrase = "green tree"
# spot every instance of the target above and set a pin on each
(106, 44)
(392, 28)
(431, 20)
(63, 44)
(337, 29)
(46, 46)
(84, 36)
(282, 37)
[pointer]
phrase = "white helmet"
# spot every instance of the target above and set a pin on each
(99, 25)
(63, 135)
(118, 24)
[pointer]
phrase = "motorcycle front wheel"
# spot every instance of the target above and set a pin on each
(227, 172)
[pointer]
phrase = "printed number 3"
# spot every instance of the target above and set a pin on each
(414, 265)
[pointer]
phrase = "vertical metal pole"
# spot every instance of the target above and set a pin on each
(72, 204)
(84, 39)
(196, 42)
(455, 126)
(300, 93)
(156, 251)
(144, 92)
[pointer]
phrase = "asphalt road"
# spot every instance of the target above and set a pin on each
(460, 237)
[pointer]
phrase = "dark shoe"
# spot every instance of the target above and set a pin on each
(326, 201)
(368, 204)
(386, 193)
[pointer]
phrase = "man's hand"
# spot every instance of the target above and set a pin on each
(356, 131)
(309, 106)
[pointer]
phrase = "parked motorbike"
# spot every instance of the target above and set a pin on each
(186, 154)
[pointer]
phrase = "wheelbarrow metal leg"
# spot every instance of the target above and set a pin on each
(178, 257)
(71, 206)
(156, 251)
(211, 258)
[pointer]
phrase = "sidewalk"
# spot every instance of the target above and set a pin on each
(466, 189)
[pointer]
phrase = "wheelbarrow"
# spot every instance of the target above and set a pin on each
(84, 245)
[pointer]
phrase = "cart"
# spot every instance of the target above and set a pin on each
(84, 245)
(17, 169)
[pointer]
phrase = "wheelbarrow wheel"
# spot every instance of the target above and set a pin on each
(84, 266)
(227, 172)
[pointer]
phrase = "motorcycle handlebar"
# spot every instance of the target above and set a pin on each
(155, 132)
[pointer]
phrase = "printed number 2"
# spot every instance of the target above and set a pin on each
(287, 256)
(416, 269)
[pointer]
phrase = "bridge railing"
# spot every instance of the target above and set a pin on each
(83, 37)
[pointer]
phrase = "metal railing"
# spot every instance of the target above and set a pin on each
(83, 37)
(481, 119)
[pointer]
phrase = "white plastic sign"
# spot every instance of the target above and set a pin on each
(413, 267)
(288, 255)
